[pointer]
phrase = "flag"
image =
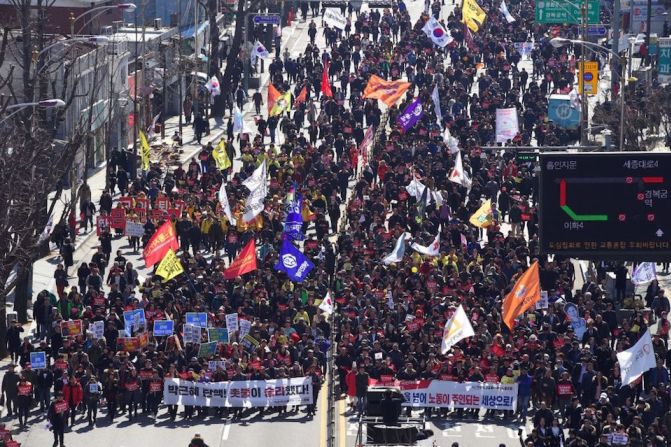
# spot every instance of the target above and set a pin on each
(364, 147)
(415, 188)
(163, 240)
(637, 359)
(472, 15)
(399, 251)
(525, 293)
(433, 29)
(468, 38)
(452, 143)
(258, 51)
(145, 151)
(644, 273)
(431, 250)
(213, 86)
(282, 104)
(273, 96)
(326, 87)
(435, 97)
(293, 223)
(456, 329)
(422, 203)
(255, 202)
(170, 267)
(238, 120)
(257, 178)
(302, 96)
(150, 131)
(326, 305)
(244, 263)
(294, 263)
(225, 206)
(504, 10)
(386, 91)
(411, 115)
(483, 217)
(220, 156)
(458, 175)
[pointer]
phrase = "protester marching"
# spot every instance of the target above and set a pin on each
(374, 216)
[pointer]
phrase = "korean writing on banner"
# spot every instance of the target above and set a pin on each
(191, 334)
(447, 394)
(232, 322)
(102, 224)
(219, 334)
(507, 125)
(163, 328)
(207, 349)
(245, 327)
(118, 218)
(98, 329)
(134, 229)
(249, 343)
(38, 360)
(71, 328)
(246, 394)
(197, 319)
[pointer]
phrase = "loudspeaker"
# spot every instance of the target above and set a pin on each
(384, 434)
(374, 396)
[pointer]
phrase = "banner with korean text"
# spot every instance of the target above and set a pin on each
(447, 394)
(247, 394)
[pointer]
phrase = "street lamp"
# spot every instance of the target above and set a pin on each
(558, 42)
(44, 104)
(129, 7)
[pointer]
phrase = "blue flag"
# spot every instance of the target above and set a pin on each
(294, 263)
(411, 115)
(293, 224)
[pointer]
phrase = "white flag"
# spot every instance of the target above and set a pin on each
(458, 175)
(644, 273)
(326, 305)
(213, 86)
(257, 178)
(399, 250)
(437, 33)
(431, 250)
(504, 10)
(223, 199)
(255, 202)
(456, 329)
(452, 143)
(436, 105)
(238, 120)
(637, 359)
(258, 51)
(416, 189)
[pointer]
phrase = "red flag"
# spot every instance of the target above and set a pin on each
(300, 99)
(244, 263)
(326, 87)
(163, 240)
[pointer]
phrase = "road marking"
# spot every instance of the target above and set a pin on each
(480, 429)
(225, 432)
(323, 431)
(341, 423)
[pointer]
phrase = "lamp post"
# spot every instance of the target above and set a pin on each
(560, 42)
(100, 9)
(44, 104)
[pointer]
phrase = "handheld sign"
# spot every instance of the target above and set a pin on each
(197, 319)
(163, 328)
(38, 360)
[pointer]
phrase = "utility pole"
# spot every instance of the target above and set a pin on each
(196, 57)
(616, 20)
(647, 27)
(179, 64)
(164, 112)
(108, 148)
(583, 97)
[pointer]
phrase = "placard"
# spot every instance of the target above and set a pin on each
(98, 329)
(245, 327)
(544, 302)
(38, 360)
(197, 319)
(219, 334)
(164, 328)
(249, 343)
(134, 321)
(507, 125)
(191, 333)
(134, 229)
(232, 322)
(71, 328)
(117, 218)
(207, 349)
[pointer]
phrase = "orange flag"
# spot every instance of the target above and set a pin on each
(525, 293)
(244, 263)
(326, 87)
(386, 91)
(163, 240)
(273, 96)
(302, 96)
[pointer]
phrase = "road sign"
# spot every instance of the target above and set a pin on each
(267, 19)
(664, 60)
(612, 205)
(596, 30)
(564, 11)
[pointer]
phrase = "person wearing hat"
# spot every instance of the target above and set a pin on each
(197, 441)
(10, 382)
(24, 399)
(57, 414)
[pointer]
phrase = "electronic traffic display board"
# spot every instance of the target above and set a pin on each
(606, 205)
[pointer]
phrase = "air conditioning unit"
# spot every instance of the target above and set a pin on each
(157, 23)
(107, 30)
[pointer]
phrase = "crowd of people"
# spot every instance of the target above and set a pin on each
(356, 204)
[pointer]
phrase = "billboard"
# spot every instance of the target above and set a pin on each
(607, 205)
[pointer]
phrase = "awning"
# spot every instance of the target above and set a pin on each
(187, 32)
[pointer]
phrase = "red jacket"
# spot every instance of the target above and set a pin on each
(76, 391)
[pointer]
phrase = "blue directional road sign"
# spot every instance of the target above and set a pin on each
(596, 30)
(267, 19)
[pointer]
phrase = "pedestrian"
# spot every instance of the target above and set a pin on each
(132, 386)
(187, 108)
(57, 415)
(13, 340)
(67, 251)
(197, 441)
(92, 393)
(73, 394)
(24, 400)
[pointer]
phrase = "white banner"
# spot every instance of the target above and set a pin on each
(134, 229)
(247, 394)
(333, 18)
(506, 124)
(446, 394)
(637, 359)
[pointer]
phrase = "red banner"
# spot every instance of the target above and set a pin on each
(118, 219)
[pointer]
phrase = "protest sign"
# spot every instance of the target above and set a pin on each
(249, 342)
(232, 322)
(507, 125)
(448, 394)
(128, 344)
(71, 328)
(134, 321)
(191, 334)
(213, 365)
(197, 319)
(219, 334)
(245, 327)
(134, 229)
(544, 302)
(207, 349)
(164, 328)
(333, 18)
(117, 219)
(98, 329)
(241, 394)
(38, 360)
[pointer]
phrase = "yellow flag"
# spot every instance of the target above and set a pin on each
(145, 151)
(221, 156)
(483, 217)
(282, 104)
(170, 266)
(472, 15)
